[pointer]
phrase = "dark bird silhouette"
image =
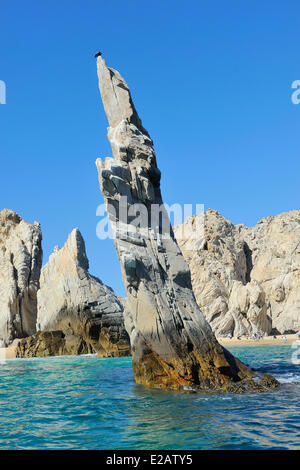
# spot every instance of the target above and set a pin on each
(98, 54)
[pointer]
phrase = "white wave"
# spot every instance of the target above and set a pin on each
(289, 378)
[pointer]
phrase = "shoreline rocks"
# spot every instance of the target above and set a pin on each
(43, 344)
(52, 343)
(63, 298)
(79, 305)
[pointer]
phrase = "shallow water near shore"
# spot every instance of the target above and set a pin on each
(89, 403)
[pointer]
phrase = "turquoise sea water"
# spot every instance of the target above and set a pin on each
(90, 403)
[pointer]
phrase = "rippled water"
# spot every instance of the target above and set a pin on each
(90, 403)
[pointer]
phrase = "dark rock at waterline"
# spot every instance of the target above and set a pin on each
(57, 343)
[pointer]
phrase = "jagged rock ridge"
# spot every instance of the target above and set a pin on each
(20, 264)
(246, 279)
(173, 346)
(79, 305)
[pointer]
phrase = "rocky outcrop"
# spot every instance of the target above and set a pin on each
(246, 279)
(44, 344)
(20, 264)
(52, 343)
(173, 345)
(273, 258)
(85, 311)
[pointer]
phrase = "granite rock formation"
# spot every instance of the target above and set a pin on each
(44, 344)
(246, 279)
(77, 305)
(53, 343)
(172, 344)
(273, 256)
(20, 264)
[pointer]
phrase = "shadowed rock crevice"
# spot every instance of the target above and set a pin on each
(249, 264)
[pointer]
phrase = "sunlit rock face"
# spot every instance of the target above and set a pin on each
(20, 264)
(173, 345)
(79, 305)
(246, 279)
(273, 250)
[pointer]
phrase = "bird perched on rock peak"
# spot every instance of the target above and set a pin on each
(98, 54)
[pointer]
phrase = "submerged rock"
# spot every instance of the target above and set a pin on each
(268, 381)
(20, 264)
(78, 304)
(246, 279)
(173, 345)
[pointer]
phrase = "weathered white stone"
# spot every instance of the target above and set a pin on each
(70, 299)
(172, 343)
(246, 279)
(273, 247)
(20, 264)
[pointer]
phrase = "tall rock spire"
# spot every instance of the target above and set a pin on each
(173, 346)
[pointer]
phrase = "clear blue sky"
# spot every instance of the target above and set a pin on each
(211, 82)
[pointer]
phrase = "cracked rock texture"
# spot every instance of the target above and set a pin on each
(246, 279)
(173, 345)
(20, 264)
(44, 344)
(78, 306)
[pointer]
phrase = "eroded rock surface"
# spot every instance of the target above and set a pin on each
(173, 345)
(20, 264)
(43, 344)
(246, 279)
(273, 250)
(79, 305)
(52, 343)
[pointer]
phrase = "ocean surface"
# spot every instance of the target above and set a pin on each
(89, 403)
